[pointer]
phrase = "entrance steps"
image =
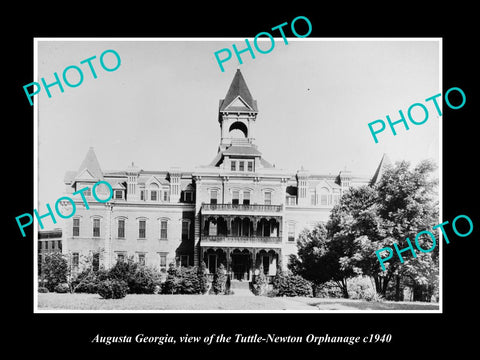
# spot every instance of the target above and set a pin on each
(240, 288)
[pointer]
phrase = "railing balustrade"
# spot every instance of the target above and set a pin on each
(242, 207)
(243, 239)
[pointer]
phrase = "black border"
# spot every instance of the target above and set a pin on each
(68, 334)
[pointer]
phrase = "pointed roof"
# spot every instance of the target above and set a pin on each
(384, 162)
(90, 163)
(238, 89)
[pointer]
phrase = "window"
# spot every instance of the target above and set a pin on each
(75, 259)
(142, 225)
(46, 245)
(163, 260)
(213, 197)
(250, 166)
(246, 198)
(183, 260)
(118, 194)
(324, 195)
(185, 230)
(59, 245)
(241, 166)
(212, 229)
(166, 196)
(323, 199)
(120, 257)
(291, 232)
(188, 196)
(163, 229)
(141, 259)
(235, 197)
(268, 198)
(233, 165)
(153, 195)
(290, 200)
(96, 227)
(312, 197)
(142, 194)
(88, 192)
(76, 227)
(40, 244)
(121, 228)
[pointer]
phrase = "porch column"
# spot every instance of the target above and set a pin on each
(229, 261)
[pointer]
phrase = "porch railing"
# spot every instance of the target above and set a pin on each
(242, 207)
(243, 239)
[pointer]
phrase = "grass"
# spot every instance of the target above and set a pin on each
(54, 301)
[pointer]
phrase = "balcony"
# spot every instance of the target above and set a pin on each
(231, 241)
(229, 208)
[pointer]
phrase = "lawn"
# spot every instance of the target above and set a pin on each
(54, 301)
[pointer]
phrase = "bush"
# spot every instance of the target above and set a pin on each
(55, 270)
(202, 278)
(361, 288)
(43, 290)
(144, 281)
(112, 289)
(170, 286)
(260, 283)
(185, 280)
(85, 282)
(328, 290)
(291, 285)
(219, 280)
(62, 288)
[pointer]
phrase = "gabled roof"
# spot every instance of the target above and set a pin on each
(237, 94)
(90, 163)
(384, 162)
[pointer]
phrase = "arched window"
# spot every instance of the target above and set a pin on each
(325, 196)
(238, 130)
(154, 190)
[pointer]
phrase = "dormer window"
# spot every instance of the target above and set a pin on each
(250, 165)
(241, 166)
(118, 194)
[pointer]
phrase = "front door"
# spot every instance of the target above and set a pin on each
(240, 266)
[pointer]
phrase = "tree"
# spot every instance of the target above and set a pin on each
(321, 259)
(219, 280)
(202, 278)
(370, 218)
(260, 282)
(55, 270)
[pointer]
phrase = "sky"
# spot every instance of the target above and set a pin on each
(159, 109)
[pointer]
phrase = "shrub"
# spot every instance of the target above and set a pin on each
(361, 288)
(62, 288)
(43, 289)
(85, 282)
(328, 290)
(55, 270)
(112, 289)
(170, 286)
(202, 278)
(219, 280)
(260, 283)
(144, 281)
(292, 285)
(124, 271)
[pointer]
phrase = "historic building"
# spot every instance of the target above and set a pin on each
(239, 210)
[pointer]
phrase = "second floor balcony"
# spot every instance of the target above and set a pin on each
(224, 240)
(250, 208)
